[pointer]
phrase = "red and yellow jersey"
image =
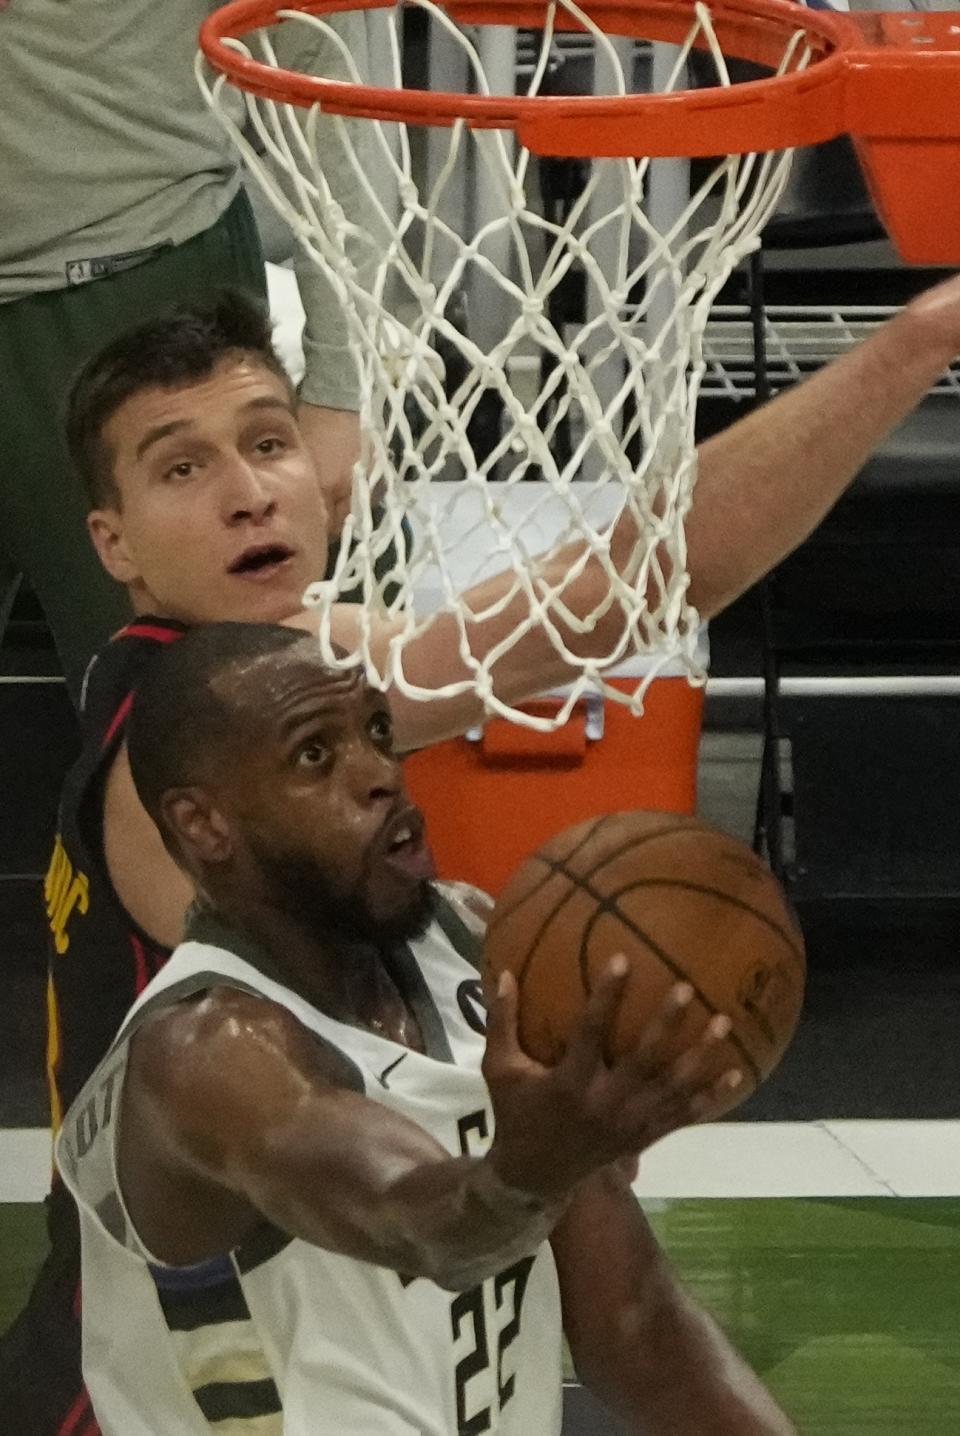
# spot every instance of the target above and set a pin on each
(99, 959)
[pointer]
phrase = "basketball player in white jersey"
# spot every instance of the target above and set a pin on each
(314, 1201)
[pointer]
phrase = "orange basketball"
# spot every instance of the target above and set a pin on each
(685, 903)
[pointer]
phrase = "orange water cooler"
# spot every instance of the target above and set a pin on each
(492, 797)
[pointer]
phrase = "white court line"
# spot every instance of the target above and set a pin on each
(916, 1159)
(725, 1159)
(805, 1159)
(756, 1159)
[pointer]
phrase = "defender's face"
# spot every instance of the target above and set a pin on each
(221, 514)
(320, 812)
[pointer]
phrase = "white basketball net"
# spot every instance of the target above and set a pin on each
(607, 421)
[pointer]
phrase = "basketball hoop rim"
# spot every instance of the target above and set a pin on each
(880, 73)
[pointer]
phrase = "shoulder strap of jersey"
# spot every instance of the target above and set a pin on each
(112, 677)
(460, 914)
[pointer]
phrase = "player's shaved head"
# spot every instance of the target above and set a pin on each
(273, 780)
(192, 711)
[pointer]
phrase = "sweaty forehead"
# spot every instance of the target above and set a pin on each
(273, 688)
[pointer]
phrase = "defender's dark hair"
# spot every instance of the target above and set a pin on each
(171, 349)
(178, 724)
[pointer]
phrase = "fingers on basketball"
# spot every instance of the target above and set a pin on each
(502, 1042)
(590, 1037)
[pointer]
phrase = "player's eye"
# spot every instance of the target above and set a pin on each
(183, 470)
(380, 729)
(269, 446)
(313, 755)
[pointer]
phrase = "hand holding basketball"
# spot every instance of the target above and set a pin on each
(557, 1124)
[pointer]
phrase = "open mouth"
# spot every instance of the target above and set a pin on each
(401, 839)
(405, 827)
(261, 559)
(405, 846)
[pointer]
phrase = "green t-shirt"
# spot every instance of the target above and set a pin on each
(108, 151)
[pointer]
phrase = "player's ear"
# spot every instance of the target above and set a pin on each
(200, 827)
(105, 527)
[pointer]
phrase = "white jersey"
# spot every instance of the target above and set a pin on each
(279, 1337)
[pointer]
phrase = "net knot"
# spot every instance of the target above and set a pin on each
(408, 191)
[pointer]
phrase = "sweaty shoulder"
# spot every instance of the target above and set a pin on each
(212, 1084)
(222, 1038)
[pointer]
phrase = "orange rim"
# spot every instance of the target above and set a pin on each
(876, 73)
(889, 79)
(772, 113)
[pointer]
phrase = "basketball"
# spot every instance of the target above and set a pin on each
(683, 902)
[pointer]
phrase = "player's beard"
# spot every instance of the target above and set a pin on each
(296, 886)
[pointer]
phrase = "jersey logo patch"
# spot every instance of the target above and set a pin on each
(472, 1006)
(82, 271)
(65, 891)
(391, 1067)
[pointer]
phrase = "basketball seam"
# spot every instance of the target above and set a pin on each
(687, 886)
(556, 864)
(650, 838)
(538, 937)
(608, 905)
(501, 913)
(552, 868)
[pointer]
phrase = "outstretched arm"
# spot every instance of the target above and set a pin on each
(765, 483)
(638, 1341)
(232, 1112)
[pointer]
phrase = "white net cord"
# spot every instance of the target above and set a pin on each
(553, 424)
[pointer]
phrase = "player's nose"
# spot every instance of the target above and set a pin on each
(245, 496)
(377, 775)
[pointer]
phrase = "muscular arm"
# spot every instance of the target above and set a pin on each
(765, 483)
(233, 1112)
(644, 1347)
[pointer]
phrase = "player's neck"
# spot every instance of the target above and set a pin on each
(348, 981)
(144, 605)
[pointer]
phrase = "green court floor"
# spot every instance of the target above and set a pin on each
(22, 1245)
(849, 1308)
